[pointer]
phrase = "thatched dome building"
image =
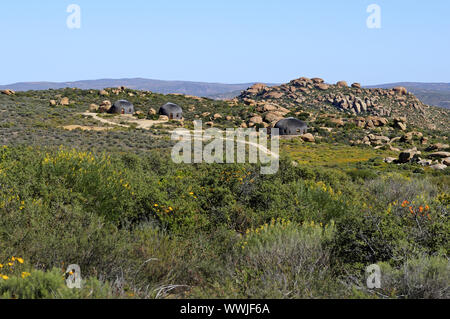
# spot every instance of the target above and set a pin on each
(122, 107)
(291, 126)
(172, 111)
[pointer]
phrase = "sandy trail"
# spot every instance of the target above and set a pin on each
(260, 147)
(143, 124)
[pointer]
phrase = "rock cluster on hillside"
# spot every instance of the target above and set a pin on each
(305, 93)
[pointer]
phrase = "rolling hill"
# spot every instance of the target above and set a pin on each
(437, 94)
(157, 86)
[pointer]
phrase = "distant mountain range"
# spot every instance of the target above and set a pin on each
(202, 89)
(437, 94)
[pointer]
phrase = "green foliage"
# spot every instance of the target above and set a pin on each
(50, 285)
(153, 228)
(398, 220)
(421, 278)
(282, 260)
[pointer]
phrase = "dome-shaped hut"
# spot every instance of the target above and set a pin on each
(122, 107)
(291, 126)
(172, 111)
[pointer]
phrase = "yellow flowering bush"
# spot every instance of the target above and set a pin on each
(11, 267)
(38, 284)
(102, 185)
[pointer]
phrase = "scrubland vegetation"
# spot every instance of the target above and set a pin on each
(141, 226)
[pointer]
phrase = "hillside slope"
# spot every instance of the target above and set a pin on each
(313, 95)
(437, 94)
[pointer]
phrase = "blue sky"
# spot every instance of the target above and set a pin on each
(227, 41)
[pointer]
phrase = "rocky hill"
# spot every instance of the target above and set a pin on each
(437, 94)
(314, 95)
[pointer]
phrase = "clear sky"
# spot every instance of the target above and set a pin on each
(229, 41)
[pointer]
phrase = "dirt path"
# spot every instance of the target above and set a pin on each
(102, 120)
(85, 128)
(262, 148)
(143, 124)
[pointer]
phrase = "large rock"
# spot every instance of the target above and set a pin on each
(64, 101)
(308, 137)
(380, 138)
(256, 120)
(269, 107)
(250, 102)
(275, 95)
(439, 155)
(360, 122)
(424, 140)
(394, 149)
(317, 80)
(356, 85)
(256, 88)
(338, 122)
(440, 167)
(389, 160)
(438, 147)
(8, 92)
(401, 119)
(400, 126)
(400, 90)
(104, 93)
(283, 110)
(93, 107)
(105, 106)
(407, 137)
(425, 162)
(322, 86)
(377, 120)
(446, 161)
(407, 155)
(272, 116)
(342, 84)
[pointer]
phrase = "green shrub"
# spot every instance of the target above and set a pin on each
(398, 220)
(421, 278)
(50, 285)
(282, 260)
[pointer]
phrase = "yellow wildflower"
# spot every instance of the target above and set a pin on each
(25, 274)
